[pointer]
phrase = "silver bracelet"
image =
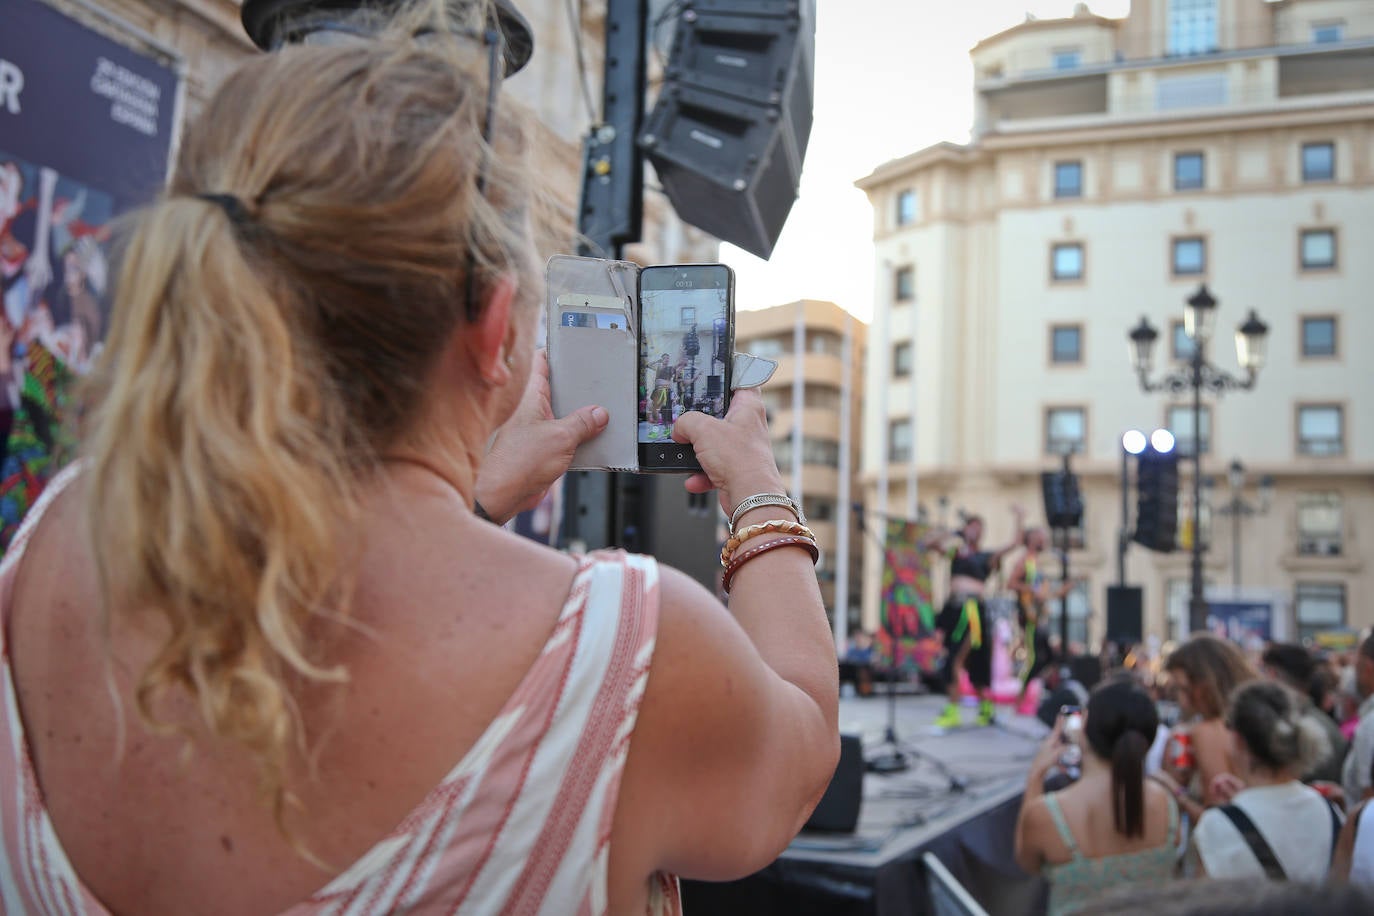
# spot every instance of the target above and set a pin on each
(766, 499)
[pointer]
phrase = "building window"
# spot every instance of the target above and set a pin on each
(1067, 58)
(1066, 261)
(906, 207)
(904, 284)
(826, 342)
(1068, 179)
(901, 359)
(819, 509)
(1189, 172)
(1319, 606)
(1179, 421)
(1192, 26)
(1326, 32)
(1181, 345)
(1317, 249)
(1066, 430)
(1318, 337)
(769, 347)
(899, 440)
(1319, 161)
(1319, 524)
(826, 397)
(1321, 429)
(1066, 343)
(824, 452)
(1077, 603)
(1190, 257)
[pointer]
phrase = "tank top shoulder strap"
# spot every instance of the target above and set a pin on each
(1173, 834)
(1061, 825)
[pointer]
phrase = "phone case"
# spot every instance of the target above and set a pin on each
(595, 361)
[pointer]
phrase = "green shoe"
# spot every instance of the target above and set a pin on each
(949, 718)
(986, 713)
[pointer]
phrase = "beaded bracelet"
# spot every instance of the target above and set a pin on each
(780, 525)
(806, 543)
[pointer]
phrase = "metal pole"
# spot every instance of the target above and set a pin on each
(1064, 579)
(1197, 606)
(1236, 505)
(841, 621)
(1123, 535)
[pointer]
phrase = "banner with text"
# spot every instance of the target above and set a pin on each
(86, 128)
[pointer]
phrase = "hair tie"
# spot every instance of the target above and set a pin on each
(233, 207)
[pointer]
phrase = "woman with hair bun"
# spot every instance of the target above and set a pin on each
(1276, 827)
(1112, 826)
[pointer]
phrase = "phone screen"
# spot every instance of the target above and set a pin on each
(686, 341)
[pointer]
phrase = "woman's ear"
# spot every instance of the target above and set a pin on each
(489, 338)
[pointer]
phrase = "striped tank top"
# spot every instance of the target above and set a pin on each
(521, 825)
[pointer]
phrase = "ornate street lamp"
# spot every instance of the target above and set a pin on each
(1199, 319)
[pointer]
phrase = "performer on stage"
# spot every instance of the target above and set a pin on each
(1033, 594)
(961, 621)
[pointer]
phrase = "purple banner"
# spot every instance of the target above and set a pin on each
(85, 133)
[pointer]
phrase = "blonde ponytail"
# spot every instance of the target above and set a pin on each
(268, 345)
(217, 492)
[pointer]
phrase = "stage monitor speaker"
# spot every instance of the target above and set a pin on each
(729, 132)
(1125, 615)
(838, 811)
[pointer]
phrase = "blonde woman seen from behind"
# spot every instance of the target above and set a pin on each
(266, 655)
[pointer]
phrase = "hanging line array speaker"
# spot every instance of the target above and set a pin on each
(728, 134)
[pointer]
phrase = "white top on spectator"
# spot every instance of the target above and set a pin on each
(1293, 818)
(1362, 862)
(1355, 777)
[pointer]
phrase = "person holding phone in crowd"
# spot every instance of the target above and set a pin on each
(961, 623)
(264, 652)
(1110, 827)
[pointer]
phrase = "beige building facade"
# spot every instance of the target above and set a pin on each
(1116, 165)
(814, 401)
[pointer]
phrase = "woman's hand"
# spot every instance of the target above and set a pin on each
(736, 453)
(1046, 756)
(533, 448)
(1225, 787)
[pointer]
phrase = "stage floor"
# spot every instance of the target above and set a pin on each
(905, 810)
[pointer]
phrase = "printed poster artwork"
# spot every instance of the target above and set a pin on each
(84, 136)
(906, 637)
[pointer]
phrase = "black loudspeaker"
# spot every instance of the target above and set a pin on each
(729, 131)
(713, 386)
(1063, 501)
(1125, 615)
(838, 811)
(1156, 510)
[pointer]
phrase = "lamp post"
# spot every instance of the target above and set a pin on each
(1199, 318)
(1238, 507)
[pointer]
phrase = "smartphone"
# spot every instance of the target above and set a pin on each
(686, 348)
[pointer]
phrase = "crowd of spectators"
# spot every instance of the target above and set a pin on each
(1209, 764)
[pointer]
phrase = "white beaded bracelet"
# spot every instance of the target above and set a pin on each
(759, 500)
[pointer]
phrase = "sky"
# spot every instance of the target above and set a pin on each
(892, 77)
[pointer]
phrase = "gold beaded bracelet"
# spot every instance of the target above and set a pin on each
(780, 525)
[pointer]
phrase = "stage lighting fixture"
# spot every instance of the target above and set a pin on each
(1133, 441)
(1162, 440)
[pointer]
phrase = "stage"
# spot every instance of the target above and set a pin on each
(877, 869)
